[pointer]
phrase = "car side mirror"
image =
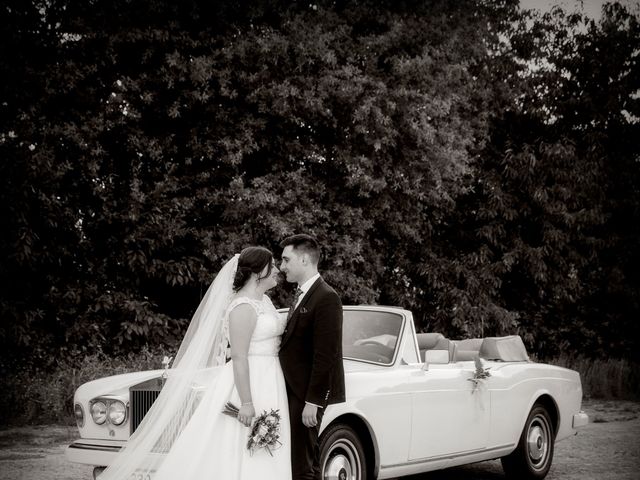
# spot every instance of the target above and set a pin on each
(437, 357)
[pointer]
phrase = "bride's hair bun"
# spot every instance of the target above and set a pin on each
(242, 276)
(252, 260)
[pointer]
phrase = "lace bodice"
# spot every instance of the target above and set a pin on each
(270, 325)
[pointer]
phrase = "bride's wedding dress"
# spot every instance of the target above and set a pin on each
(214, 445)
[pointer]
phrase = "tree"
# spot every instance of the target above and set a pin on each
(163, 143)
(458, 159)
(550, 216)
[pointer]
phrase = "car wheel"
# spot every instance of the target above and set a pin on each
(532, 457)
(342, 455)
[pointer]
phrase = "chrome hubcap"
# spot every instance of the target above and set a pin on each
(342, 462)
(538, 440)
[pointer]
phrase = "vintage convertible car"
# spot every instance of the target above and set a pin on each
(415, 403)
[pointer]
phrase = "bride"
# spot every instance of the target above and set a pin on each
(185, 434)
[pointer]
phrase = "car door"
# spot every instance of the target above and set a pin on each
(449, 416)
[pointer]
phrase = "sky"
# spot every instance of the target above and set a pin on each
(592, 8)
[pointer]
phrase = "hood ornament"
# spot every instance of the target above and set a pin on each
(165, 365)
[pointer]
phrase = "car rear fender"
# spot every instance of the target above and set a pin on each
(544, 398)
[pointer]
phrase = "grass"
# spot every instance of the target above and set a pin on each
(611, 379)
(37, 436)
(31, 397)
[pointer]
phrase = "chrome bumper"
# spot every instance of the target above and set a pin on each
(580, 419)
(93, 452)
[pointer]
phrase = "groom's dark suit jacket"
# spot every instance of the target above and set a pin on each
(311, 347)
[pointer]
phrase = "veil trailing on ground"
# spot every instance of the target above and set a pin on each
(204, 345)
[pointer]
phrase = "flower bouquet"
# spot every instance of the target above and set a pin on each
(480, 373)
(265, 431)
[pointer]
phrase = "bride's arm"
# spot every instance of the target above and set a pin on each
(242, 322)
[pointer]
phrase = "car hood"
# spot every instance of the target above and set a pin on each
(114, 385)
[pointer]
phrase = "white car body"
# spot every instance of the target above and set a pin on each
(410, 417)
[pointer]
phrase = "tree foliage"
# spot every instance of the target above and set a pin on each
(146, 142)
(555, 199)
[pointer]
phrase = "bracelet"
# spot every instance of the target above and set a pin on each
(247, 403)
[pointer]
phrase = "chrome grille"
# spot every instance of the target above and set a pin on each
(141, 397)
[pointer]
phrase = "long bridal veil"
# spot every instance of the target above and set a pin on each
(204, 345)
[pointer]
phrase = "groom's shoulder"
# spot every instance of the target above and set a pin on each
(328, 289)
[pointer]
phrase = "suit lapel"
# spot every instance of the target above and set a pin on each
(294, 317)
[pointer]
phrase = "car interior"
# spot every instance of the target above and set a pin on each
(503, 349)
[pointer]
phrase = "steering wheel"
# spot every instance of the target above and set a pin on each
(380, 348)
(373, 342)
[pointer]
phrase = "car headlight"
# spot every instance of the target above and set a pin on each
(78, 411)
(99, 412)
(117, 412)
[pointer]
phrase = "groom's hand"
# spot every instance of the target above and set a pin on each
(310, 415)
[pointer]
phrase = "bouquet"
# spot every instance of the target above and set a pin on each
(265, 431)
(480, 374)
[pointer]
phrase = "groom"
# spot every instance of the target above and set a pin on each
(310, 352)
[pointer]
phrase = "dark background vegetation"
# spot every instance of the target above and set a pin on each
(470, 161)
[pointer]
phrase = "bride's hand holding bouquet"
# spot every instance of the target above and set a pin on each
(246, 414)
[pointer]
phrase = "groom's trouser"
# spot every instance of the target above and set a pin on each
(305, 448)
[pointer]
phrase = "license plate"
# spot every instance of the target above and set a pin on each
(142, 476)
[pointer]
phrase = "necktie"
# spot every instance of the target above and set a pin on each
(294, 302)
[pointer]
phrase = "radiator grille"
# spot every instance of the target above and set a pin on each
(141, 397)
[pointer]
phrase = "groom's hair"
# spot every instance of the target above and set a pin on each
(305, 243)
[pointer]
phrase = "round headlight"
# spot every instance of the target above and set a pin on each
(78, 411)
(117, 412)
(99, 412)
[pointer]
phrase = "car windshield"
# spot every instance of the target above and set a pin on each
(370, 336)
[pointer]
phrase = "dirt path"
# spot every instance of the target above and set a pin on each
(607, 449)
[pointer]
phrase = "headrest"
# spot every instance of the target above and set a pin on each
(427, 341)
(506, 349)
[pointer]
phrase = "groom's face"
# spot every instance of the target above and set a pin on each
(291, 264)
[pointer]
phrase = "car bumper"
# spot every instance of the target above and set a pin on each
(93, 452)
(580, 420)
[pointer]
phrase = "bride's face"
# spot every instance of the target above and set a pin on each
(270, 281)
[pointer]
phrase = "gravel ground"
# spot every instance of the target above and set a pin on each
(607, 449)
